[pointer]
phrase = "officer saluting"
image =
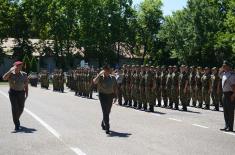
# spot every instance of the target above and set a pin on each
(228, 86)
(18, 82)
(107, 88)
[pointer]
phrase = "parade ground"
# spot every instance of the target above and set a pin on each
(64, 124)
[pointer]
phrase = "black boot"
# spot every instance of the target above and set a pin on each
(135, 104)
(176, 107)
(139, 106)
(145, 107)
(151, 108)
(130, 103)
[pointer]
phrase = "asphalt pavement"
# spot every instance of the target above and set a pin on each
(62, 124)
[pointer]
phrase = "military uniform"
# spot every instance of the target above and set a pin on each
(175, 88)
(168, 86)
(158, 86)
(215, 84)
(198, 87)
(183, 82)
(149, 87)
(163, 87)
(192, 85)
(206, 88)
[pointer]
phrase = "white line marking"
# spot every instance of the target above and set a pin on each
(77, 151)
(201, 126)
(173, 119)
(229, 133)
(48, 127)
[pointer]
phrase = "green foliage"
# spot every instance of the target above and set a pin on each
(203, 33)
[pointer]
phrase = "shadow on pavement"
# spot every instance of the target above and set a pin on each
(119, 134)
(189, 111)
(25, 130)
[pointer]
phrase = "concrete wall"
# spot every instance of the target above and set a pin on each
(49, 63)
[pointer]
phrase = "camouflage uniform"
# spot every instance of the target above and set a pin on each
(149, 87)
(158, 86)
(198, 88)
(192, 85)
(163, 87)
(142, 89)
(206, 88)
(183, 81)
(175, 88)
(215, 84)
(168, 86)
(124, 83)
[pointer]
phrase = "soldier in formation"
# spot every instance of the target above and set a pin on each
(144, 87)
(58, 80)
(44, 79)
(80, 81)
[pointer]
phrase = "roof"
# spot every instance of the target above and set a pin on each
(38, 45)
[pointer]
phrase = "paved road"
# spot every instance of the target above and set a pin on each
(63, 124)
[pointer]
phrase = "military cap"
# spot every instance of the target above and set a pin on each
(214, 68)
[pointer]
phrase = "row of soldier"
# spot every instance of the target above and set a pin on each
(58, 80)
(145, 86)
(80, 81)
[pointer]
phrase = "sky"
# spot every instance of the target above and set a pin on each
(168, 5)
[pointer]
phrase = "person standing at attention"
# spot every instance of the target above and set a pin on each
(107, 88)
(228, 85)
(18, 92)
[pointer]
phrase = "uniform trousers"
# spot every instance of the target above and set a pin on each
(106, 101)
(228, 110)
(17, 99)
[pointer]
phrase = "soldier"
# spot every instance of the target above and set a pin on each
(134, 85)
(175, 87)
(128, 85)
(183, 87)
(61, 81)
(192, 85)
(198, 87)
(163, 86)
(124, 84)
(119, 78)
(168, 87)
(206, 88)
(158, 86)
(215, 88)
(137, 84)
(142, 88)
(44, 79)
(149, 88)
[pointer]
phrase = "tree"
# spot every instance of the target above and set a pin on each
(149, 21)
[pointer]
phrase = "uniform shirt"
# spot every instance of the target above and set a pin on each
(17, 81)
(107, 84)
(228, 79)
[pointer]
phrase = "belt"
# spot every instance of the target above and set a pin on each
(16, 91)
(228, 93)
